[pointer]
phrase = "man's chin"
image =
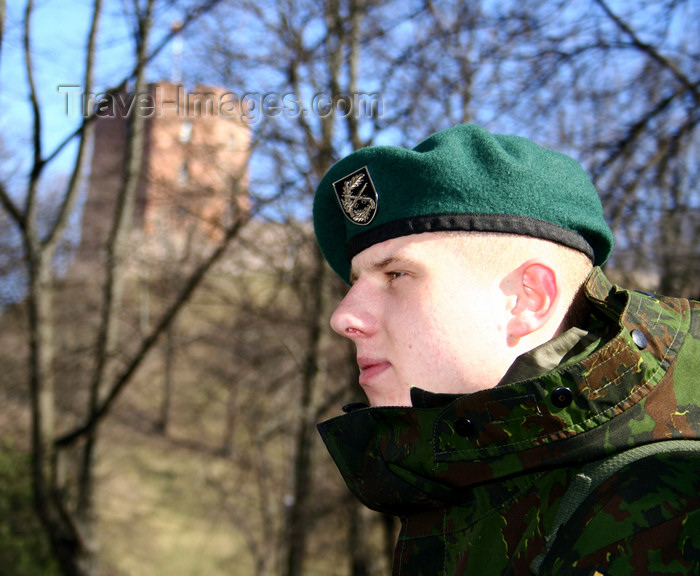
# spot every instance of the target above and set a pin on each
(393, 398)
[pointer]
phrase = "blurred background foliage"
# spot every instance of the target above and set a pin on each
(160, 384)
(24, 547)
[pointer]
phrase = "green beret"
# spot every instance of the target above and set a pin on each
(463, 178)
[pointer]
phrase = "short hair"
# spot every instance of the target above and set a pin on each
(502, 253)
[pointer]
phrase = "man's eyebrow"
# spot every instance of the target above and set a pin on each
(380, 265)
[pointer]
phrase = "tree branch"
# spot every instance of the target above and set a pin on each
(30, 206)
(12, 208)
(122, 379)
(188, 20)
(634, 132)
(76, 177)
(652, 52)
(111, 294)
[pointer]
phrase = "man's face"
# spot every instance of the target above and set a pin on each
(421, 313)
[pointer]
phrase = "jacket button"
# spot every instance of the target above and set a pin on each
(561, 397)
(639, 338)
(464, 427)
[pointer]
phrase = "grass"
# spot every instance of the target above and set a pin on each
(156, 514)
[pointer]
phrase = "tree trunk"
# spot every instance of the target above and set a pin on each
(360, 562)
(296, 528)
(168, 376)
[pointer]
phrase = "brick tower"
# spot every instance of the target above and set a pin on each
(194, 173)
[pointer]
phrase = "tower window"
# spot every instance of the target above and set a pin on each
(185, 131)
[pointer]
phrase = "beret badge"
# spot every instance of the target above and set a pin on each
(357, 196)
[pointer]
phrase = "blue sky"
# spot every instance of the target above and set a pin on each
(59, 37)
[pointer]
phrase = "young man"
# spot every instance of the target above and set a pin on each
(527, 417)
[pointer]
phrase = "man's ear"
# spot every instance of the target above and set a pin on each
(537, 292)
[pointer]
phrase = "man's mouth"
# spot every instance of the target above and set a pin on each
(371, 368)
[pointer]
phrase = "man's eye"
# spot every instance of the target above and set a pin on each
(394, 275)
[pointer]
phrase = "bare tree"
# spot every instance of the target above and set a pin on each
(617, 87)
(65, 500)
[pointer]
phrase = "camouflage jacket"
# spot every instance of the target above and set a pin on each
(477, 480)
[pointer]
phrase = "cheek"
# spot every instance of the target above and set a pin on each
(468, 321)
(415, 328)
(430, 335)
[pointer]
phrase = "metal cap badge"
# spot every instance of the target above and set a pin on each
(357, 196)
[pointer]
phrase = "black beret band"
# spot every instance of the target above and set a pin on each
(498, 223)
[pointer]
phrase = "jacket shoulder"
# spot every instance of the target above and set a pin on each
(644, 519)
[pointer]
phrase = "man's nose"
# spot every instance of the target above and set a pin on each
(353, 317)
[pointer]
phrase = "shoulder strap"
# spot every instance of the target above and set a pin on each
(594, 474)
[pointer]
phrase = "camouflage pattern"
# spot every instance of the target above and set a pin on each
(477, 479)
